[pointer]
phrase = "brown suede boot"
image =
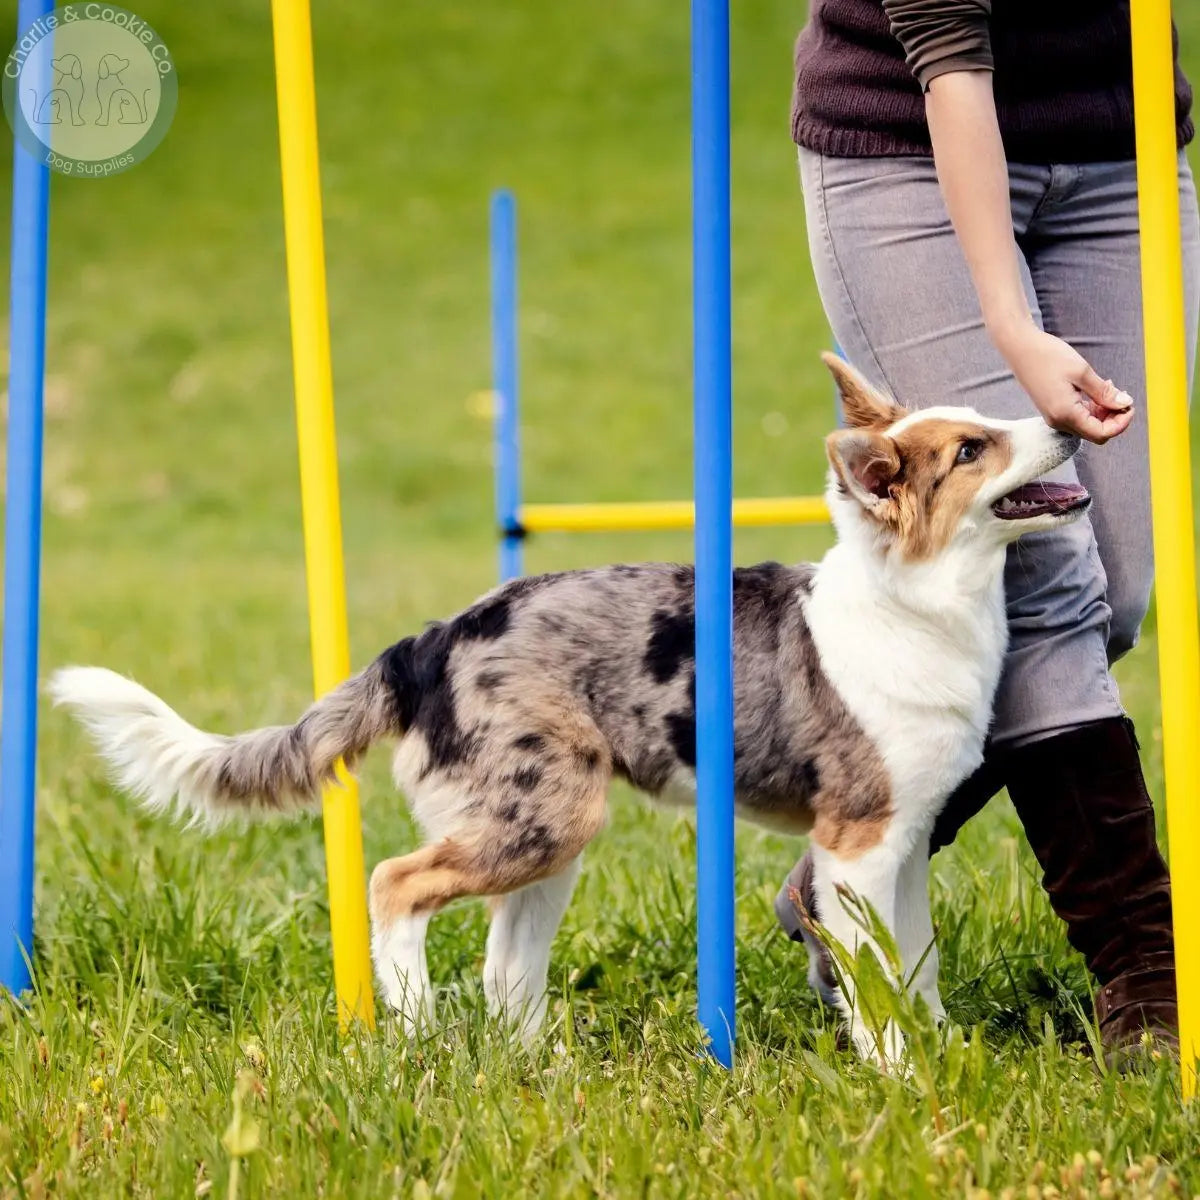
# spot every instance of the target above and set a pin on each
(1083, 802)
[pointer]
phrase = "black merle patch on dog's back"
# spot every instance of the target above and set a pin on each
(486, 620)
(409, 674)
(415, 670)
(759, 595)
(490, 618)
(448, 742)
(671, 644)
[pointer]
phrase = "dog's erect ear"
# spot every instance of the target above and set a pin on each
(865, 408)
(866, 464)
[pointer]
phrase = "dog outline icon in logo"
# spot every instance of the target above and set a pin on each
(67, 93)
(132, 111)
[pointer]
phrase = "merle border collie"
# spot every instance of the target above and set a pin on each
(863, 691)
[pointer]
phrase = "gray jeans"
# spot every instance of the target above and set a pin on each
(900, 302)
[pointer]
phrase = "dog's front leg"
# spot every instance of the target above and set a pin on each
(914, 928)
(842, 883)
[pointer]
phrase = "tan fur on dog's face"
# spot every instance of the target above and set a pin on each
(940, 469)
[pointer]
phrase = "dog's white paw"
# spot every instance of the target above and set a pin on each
(399, 953)
(886, 1048)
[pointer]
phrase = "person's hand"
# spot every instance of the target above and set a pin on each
(1067, 392)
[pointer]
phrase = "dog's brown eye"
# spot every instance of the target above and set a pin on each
(968, 452)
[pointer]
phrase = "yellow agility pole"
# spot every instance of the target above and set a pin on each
(1171, 494)
(664, 514)
(319, 485)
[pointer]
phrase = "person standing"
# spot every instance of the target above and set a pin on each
(971, 197)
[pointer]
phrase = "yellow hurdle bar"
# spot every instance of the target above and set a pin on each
(319, 485)
(1171, 494)
(665, 514)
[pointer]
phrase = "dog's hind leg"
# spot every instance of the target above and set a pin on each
(844, 881)
(496, 846)
(524, 923)
(405, 893)
(539, 855)
(507, 815)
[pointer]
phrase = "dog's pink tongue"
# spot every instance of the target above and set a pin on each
(1047, 493)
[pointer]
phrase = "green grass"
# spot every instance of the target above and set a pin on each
(169, 967)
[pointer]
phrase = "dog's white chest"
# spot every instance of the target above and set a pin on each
(922, 697)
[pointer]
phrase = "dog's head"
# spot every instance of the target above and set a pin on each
(922, 481)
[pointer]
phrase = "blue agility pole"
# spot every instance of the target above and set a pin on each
(22, 555)
(504, 376)
(713, 384)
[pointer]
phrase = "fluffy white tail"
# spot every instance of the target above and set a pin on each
(162, 760)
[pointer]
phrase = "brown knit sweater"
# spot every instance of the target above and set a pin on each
(1063, 81)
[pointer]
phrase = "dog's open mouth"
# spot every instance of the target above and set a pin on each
(1040, 500)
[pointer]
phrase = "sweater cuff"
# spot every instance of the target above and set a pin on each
(940, 36)
(979, 61)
